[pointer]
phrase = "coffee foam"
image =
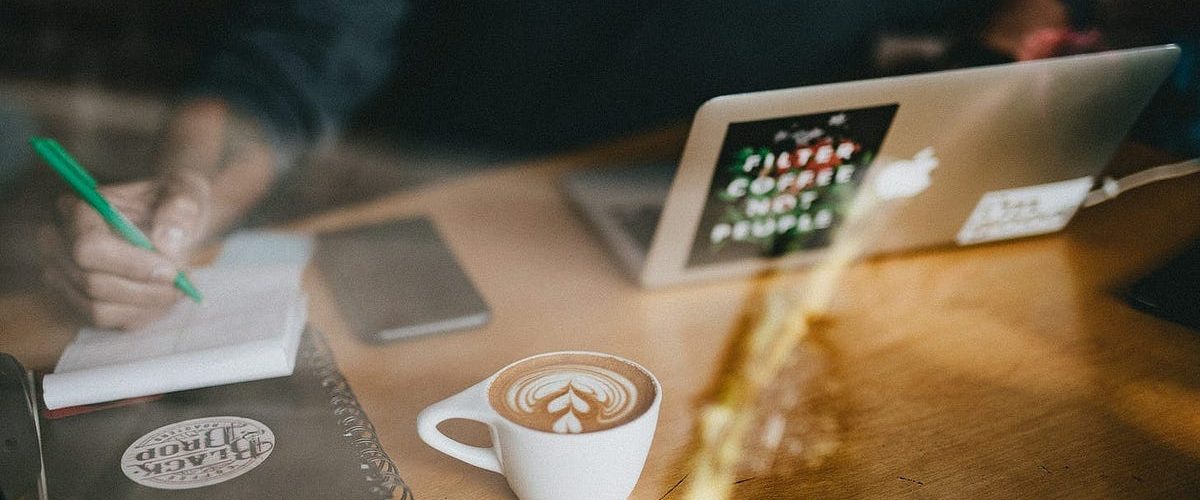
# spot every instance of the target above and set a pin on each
(572, 393)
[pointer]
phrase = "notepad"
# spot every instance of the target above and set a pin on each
(247, 328)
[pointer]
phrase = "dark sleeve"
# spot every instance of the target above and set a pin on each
(301, 66)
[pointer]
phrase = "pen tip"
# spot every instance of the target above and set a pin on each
(184, 284)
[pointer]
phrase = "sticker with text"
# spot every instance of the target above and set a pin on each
(1026, 211)
(783, 185)
(198, 452)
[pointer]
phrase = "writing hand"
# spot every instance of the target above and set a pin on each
(109, 282)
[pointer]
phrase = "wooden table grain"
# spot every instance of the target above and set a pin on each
(1008, 370)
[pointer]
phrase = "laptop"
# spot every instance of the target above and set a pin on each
(975, 155)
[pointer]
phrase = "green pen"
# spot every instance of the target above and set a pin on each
(85, 185)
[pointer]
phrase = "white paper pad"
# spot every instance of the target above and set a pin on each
(249, 248)
(247, 328)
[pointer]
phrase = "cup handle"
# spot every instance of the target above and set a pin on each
(468, 405)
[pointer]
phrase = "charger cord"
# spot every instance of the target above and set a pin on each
(1110, 187)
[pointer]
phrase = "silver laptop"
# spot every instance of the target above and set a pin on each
(979, 155)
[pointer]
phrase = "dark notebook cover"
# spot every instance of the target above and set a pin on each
(301, 436)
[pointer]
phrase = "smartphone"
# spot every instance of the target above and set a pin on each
(1173, 290)
(398, 280)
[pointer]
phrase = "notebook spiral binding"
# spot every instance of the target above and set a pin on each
(381, 470)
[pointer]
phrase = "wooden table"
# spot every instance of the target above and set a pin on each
(1003, 370)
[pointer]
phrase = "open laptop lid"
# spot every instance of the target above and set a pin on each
(1053, 122)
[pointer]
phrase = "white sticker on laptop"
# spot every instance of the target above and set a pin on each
(1026, 211)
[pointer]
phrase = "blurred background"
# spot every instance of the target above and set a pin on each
(101, 77)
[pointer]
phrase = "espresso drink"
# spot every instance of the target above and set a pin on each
(572, 393)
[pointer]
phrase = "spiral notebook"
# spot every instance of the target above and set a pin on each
(303, 436)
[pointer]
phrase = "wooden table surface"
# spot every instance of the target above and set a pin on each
(1003, 370)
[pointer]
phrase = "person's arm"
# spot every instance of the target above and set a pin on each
(284, 79)
(1013, 28)
(283, 82)
(211, 166)
(301, 67)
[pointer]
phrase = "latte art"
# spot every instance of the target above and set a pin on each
(573, 395)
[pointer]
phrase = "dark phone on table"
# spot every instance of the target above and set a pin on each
(1173, 290)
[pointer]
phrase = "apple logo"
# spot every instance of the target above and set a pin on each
(906, 178)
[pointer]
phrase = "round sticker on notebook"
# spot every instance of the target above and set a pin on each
(197, 453)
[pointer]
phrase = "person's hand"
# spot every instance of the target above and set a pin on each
(108, 281)
(1052, 42)
(1016, 20)
(1036, 29)
(212, 166)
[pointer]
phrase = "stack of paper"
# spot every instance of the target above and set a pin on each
(247, 328)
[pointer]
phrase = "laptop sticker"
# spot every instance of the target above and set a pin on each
(1026, 211)
(783, 185)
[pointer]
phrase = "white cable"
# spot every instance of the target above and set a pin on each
(1113, 187)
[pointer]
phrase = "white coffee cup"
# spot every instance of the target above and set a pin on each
(564, 425)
